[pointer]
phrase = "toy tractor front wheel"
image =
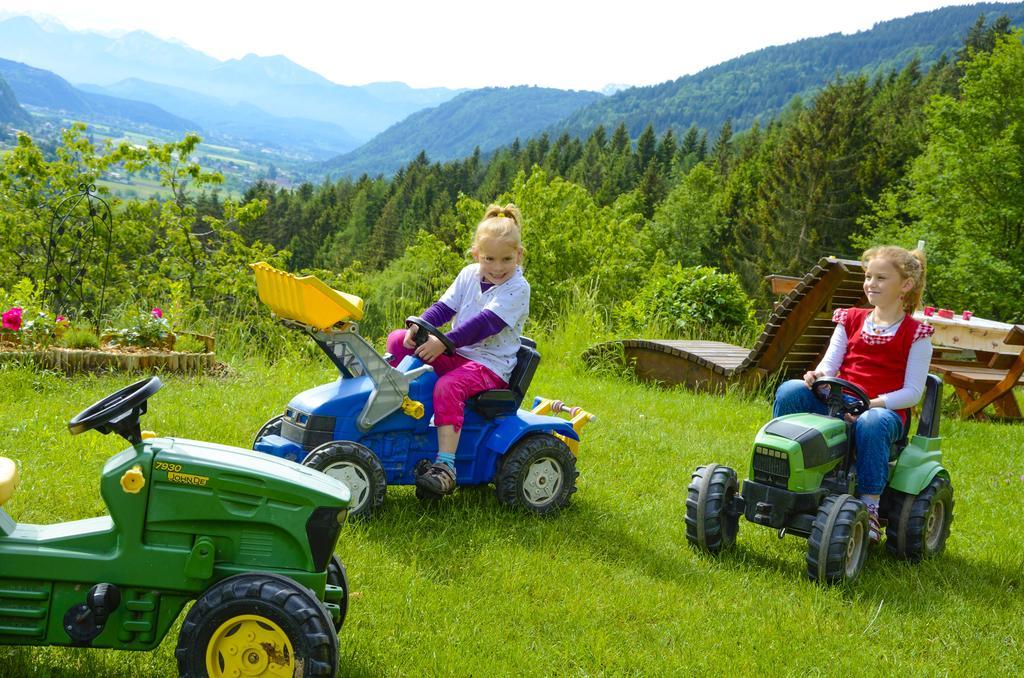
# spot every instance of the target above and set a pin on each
(356, 466)
(838, 545)
(257, 624)
(271, 428)
(337, 576)
(710, 523)
(538, 474)
(919, 524)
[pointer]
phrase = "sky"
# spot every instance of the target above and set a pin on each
(568, 44)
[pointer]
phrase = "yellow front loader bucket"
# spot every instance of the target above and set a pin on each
(304, 299)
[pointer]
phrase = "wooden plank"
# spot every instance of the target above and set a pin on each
(799, 318)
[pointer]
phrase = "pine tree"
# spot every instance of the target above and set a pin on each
(646, 149)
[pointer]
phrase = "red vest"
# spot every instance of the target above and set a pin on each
(877, 368)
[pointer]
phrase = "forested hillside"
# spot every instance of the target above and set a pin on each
(824, 177)
(905, 155)
(758, 85)
(482, 118)
(37, 87)
(11, 111)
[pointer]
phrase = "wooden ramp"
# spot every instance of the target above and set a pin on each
(793, 340)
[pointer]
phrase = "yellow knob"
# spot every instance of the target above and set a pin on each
(146, 435)
(413, 408)
(133, 481)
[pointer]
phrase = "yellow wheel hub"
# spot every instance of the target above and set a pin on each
(249, 645)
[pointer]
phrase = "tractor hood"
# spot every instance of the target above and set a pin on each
(220, 467)
(258, 510)
(339, 398)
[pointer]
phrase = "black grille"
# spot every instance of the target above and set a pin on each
(307, 430)
(771, 467)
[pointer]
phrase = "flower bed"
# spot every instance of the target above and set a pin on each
(120, 358)
(146, 343)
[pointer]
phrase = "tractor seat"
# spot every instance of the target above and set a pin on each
(489, 404)
(8, 479)
(928, 423)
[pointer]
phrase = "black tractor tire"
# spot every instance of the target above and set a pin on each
(918, 525)
(358, 467)
(710, 524)
(538, 474)
(219, 629)
(272, 427)
(338, 576)
(838, 545)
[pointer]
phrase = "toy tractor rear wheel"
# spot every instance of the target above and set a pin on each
(838, 545)
(710, 524)
(271, 428)
(358, 467)
(257, 624)
(538, 474)
(918, 525)
(337, 576)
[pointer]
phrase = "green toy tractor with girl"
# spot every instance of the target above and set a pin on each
(835, 464)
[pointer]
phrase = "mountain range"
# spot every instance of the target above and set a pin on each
(761, 83)
(41, 88)
(274, 84)
(276, 105)
(483, 118)
(11, 112)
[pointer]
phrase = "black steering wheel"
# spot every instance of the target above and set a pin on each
(831, 391)
(425, 329)
(118, 412)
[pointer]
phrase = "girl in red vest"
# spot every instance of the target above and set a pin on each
(885, 352)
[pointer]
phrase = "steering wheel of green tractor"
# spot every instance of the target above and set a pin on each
(833, 391)
(111, 413)
(425, 329)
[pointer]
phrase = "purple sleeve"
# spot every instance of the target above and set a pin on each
(477, 328)
(438, 314)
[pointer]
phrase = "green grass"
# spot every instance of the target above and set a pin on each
(143, 189)
(607, 587)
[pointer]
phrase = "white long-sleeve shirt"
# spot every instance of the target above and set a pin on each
(918, 360)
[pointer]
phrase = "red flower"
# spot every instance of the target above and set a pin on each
(157, 313)
(12, 319)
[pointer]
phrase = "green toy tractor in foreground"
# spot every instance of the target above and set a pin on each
(802, 481)
(249, 536)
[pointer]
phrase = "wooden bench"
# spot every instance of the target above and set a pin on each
(794, 338)
(979, 385)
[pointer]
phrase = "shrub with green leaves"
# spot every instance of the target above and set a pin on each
(143, 329)
(80, 338)
(687, 300)
(189, 344)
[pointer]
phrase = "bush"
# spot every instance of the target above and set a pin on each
(688, 300)
(80, 338)
(189, 344)
(142, 329)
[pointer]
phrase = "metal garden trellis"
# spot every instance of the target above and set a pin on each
(74, 241)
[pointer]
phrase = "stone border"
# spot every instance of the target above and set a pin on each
(78, 360)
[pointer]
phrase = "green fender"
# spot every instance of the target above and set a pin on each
(919, 462)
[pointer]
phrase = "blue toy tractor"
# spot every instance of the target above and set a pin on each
(372, 427)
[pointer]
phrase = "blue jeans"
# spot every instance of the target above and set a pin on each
(874, 432)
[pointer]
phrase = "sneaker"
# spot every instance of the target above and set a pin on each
(874, 525)
(436, 478)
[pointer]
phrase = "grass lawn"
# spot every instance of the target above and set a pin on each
(607, 587)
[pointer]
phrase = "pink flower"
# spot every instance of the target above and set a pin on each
(12, 319)
(60, 319)
(157, 313)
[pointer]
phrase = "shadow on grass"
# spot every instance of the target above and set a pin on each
(900, 584)
(438, 537)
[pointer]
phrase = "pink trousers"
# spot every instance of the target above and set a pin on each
(458, 379)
